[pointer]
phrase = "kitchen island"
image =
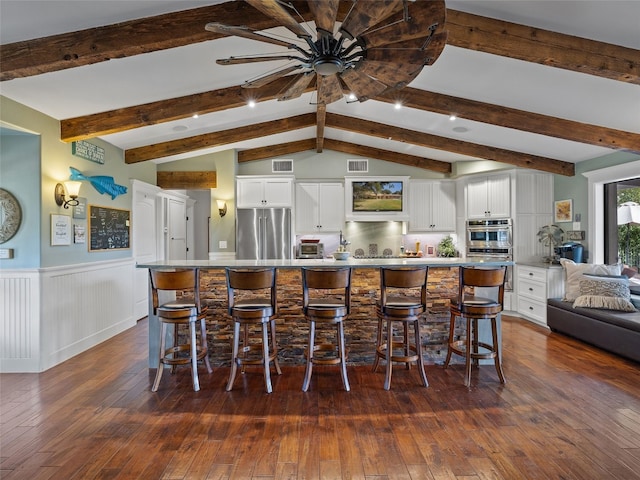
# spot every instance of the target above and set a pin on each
(292, 329)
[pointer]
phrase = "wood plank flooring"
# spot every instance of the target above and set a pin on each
(568, 411)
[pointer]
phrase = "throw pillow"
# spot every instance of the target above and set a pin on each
(574, 272)
(608, 292)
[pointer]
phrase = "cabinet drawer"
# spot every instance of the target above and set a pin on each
(532, 273)
(534, 310)
(534, 290)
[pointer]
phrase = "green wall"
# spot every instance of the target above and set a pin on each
(52, 166)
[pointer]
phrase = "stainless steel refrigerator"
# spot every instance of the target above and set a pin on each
(263, 234)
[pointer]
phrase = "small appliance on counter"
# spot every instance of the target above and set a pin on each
(570, 250)
(308, 248)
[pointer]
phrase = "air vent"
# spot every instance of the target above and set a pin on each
(357, 166)
(281, 166)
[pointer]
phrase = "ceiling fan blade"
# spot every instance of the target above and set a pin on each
(366, 13)
(273, 9)
(259, 82)
(412, 56)
(361, 85)
(329, 89)
(424, 16)
(243, 32)
(394, 75)
(324, 13)
(243, 60)
(297, 86)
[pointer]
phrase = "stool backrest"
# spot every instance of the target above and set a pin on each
(405, 279)
(482, 277)
(179, 280)
(251, 280)
(337, 280)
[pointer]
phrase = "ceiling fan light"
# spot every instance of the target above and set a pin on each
(327, 65)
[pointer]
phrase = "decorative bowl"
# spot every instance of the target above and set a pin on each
(340, 255)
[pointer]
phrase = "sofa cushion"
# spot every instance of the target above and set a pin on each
(627, 320)
(574, 272)
(608, 292)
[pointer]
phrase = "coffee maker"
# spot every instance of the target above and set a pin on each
(570, 250)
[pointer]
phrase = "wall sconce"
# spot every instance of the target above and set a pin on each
(222, 207)
(72, 189)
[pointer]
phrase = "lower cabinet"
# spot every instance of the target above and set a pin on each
(534, 286)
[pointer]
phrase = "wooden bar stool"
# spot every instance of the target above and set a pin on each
(474, 308)
(186, 311)
(397, 305)
(326, 300)
(252, 300)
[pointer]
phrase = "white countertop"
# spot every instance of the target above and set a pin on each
(325, 262)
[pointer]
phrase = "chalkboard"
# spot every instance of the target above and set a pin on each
(109, 228)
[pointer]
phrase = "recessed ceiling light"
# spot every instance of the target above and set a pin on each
(460, 129)
(180, 128)
(352, 96)
(452, 117)
(195, 115)
(251, 103)
(398, 106)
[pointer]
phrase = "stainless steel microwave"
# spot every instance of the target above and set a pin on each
(310, 250)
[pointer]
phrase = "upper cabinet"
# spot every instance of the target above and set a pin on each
(319, 207)
(432, 206)
(264, 192)
(489, 197)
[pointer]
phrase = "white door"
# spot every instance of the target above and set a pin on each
(176, 229)
(144, 238)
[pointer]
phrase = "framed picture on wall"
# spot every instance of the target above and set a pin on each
(60, 230)
(563, 210)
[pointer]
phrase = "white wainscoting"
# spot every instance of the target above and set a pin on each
(80, 306)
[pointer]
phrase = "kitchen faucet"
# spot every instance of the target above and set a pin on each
(343, 241)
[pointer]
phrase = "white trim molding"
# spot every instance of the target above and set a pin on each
(597, 179)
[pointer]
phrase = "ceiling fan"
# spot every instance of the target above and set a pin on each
(380, 45)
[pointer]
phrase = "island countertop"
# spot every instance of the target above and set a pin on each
(325, 262)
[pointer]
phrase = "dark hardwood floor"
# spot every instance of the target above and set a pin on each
(568, 411)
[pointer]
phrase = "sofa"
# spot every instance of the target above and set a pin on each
(613, 325)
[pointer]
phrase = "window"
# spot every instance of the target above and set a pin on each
(622, 222)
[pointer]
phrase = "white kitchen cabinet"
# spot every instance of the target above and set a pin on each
(534, 286)
(534, 208)
(263, 191)
(319, 207)
(489, 197)
(432, 206)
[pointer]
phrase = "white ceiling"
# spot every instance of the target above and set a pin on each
(458, 72)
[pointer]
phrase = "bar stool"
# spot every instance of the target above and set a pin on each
(396, 305)
(474, 308)
(181, 312)
(250, 305)
(326, 300)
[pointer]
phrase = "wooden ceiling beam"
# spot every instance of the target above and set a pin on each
(144, 35)
(223, 137)
(85, 47)
(271, 151)
(161, 111)
(545, 47)
(428, 140)
(321, 116)
(388, 155)
(516, 119)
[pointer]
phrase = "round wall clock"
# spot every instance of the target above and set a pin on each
(10, 215)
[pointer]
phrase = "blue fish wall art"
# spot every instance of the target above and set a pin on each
(101, 183)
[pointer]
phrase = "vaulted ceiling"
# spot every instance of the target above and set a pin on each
(522, 93)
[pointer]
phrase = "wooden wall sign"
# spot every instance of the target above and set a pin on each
(186, 180)
(88, 151)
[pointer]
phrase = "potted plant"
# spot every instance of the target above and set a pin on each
(446, 248)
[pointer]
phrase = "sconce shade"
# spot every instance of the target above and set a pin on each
(72, 190)
(222, 207)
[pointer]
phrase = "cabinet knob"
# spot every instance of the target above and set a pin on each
(530, 308)
(530, 289)
(531, 274)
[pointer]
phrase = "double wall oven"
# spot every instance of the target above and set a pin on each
(491, 239)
